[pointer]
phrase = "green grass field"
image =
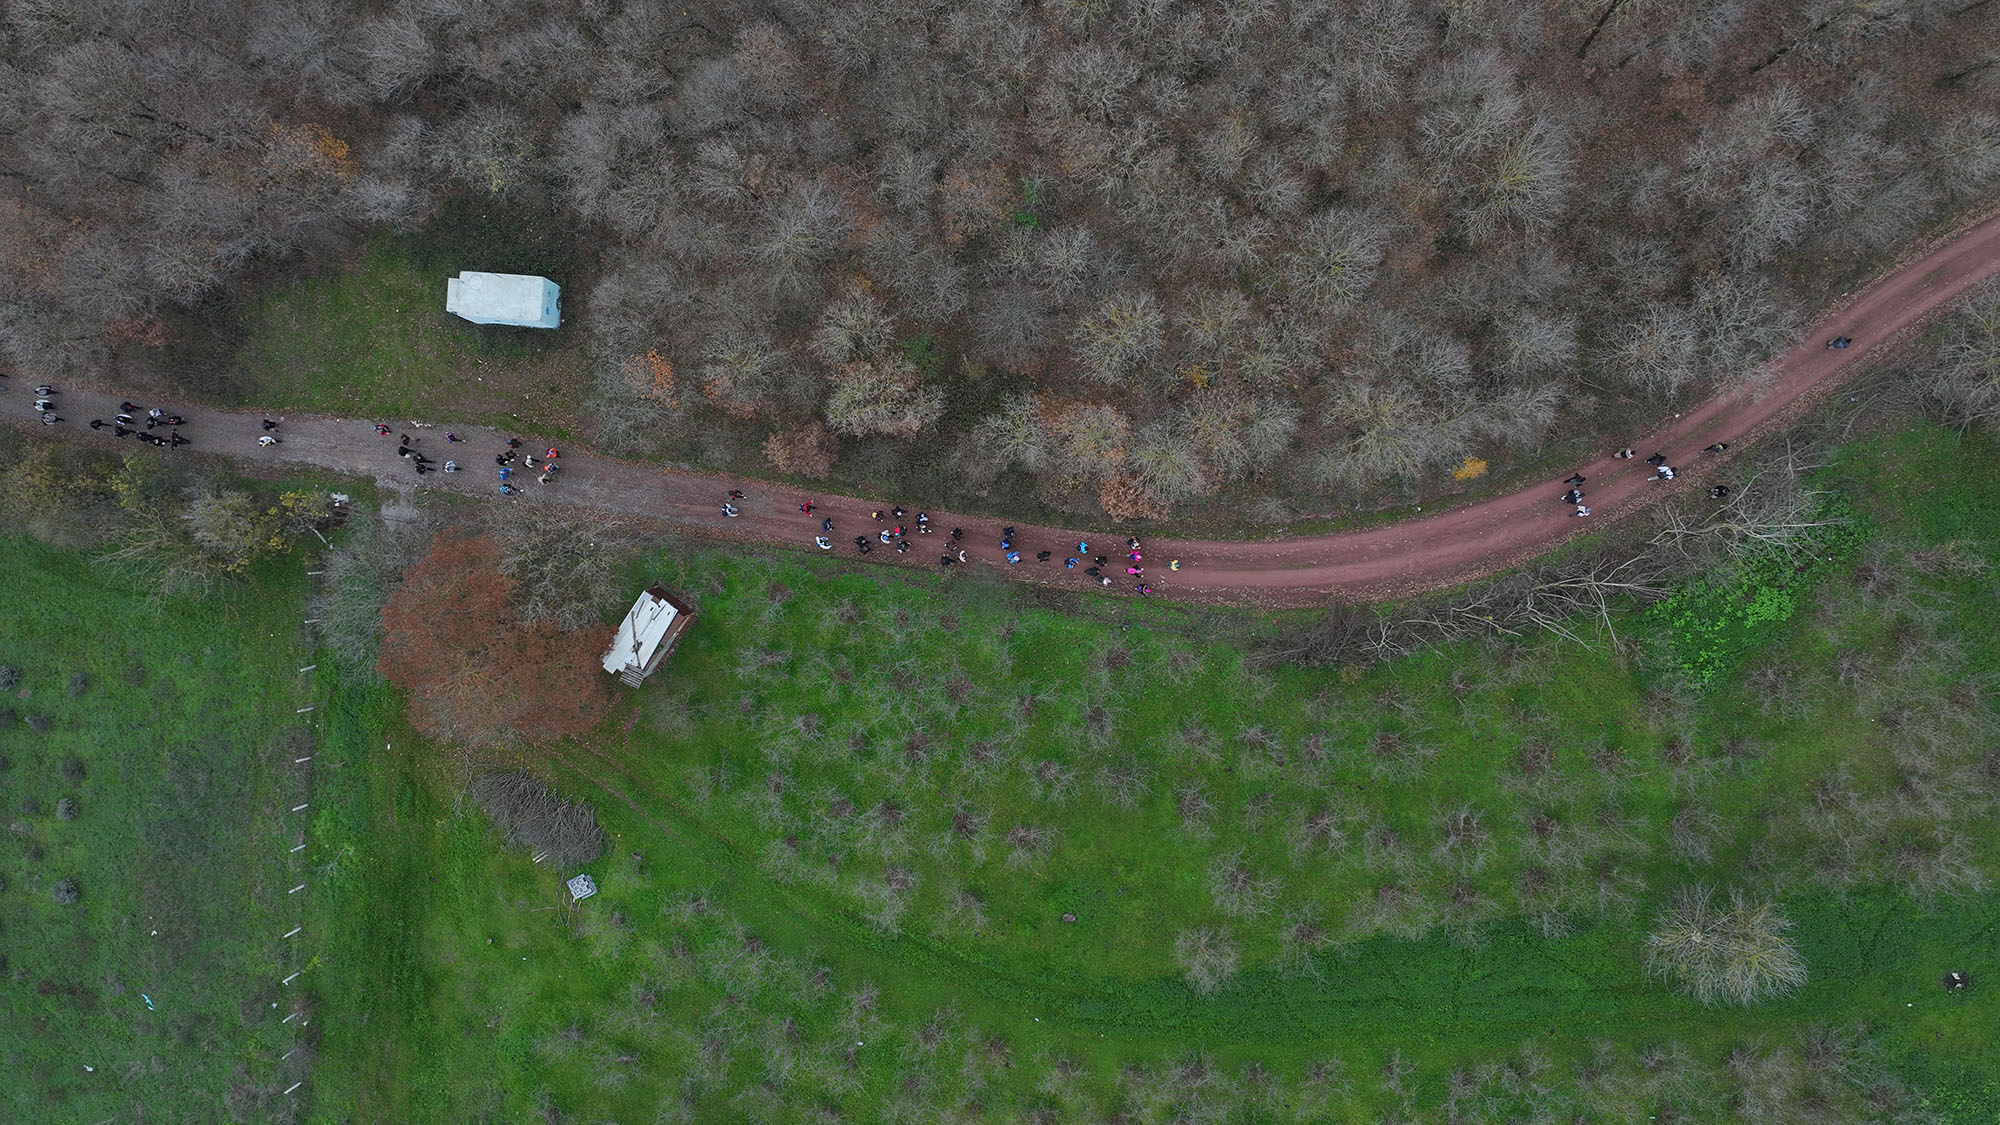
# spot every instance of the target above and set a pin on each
(850, 823)
(172, 727)
(373, 340)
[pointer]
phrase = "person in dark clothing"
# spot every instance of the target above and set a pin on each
(404, 451)
(127, 407)
(405, 439)
(1657, 459)
(513, 443)
(736, 494)
(173, 420)
(958, 533)
(902, 546)
(1840, 341)
(1092, 571)
(1572, 496)
(1574, 478)
(177, 440)
(1041, 556)
(865, 548)
(896, 512)
(944, 560)
(270, 425)
(1006, 533)
(121, 431)
(1624, 455)
(1720, 492)
(861, 541)
(1716, 448)
(97, 423)
(1101, 561)
(826, 524)
(421, 469)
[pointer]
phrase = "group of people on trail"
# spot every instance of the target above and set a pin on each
(503, 461)
(895, 526)
(126, 422)
(1661, 472)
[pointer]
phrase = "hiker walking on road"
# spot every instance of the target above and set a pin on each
(1657, 459)
(450, 466)
(1581, 510)
(826, 524)
(1572, 496)
(1666, 473)
(1717, 447)
(270, 425)
(267, 440)
(1624, 455)
(1574, 479)
(822, 542)
(381, 429)
(731, 510)
(1719, 492)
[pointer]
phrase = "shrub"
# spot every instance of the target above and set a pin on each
(66, 809)
(40, 723)
(530, 814)
(451, 641)
(78, 684)
(807, 451)
(1711, 623)
(72, 770)
(65, 892)
(1207, 958)
(9, 676)
(1737, 955)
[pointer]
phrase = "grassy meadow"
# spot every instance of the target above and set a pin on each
(372, 339)
(147, 754)
(894, 848)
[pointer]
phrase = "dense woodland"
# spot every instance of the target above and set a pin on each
(1122, 254)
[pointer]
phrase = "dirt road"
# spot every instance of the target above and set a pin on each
(1410, 556)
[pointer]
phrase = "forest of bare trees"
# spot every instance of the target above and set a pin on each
(1110, 253)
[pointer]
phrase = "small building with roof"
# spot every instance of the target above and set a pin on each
(647, 635)
(518, 299)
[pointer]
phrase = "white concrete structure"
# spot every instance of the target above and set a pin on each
(581, 887)
(647, 635)
(519, 299)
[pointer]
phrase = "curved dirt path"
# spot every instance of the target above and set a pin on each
(1371, 564)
